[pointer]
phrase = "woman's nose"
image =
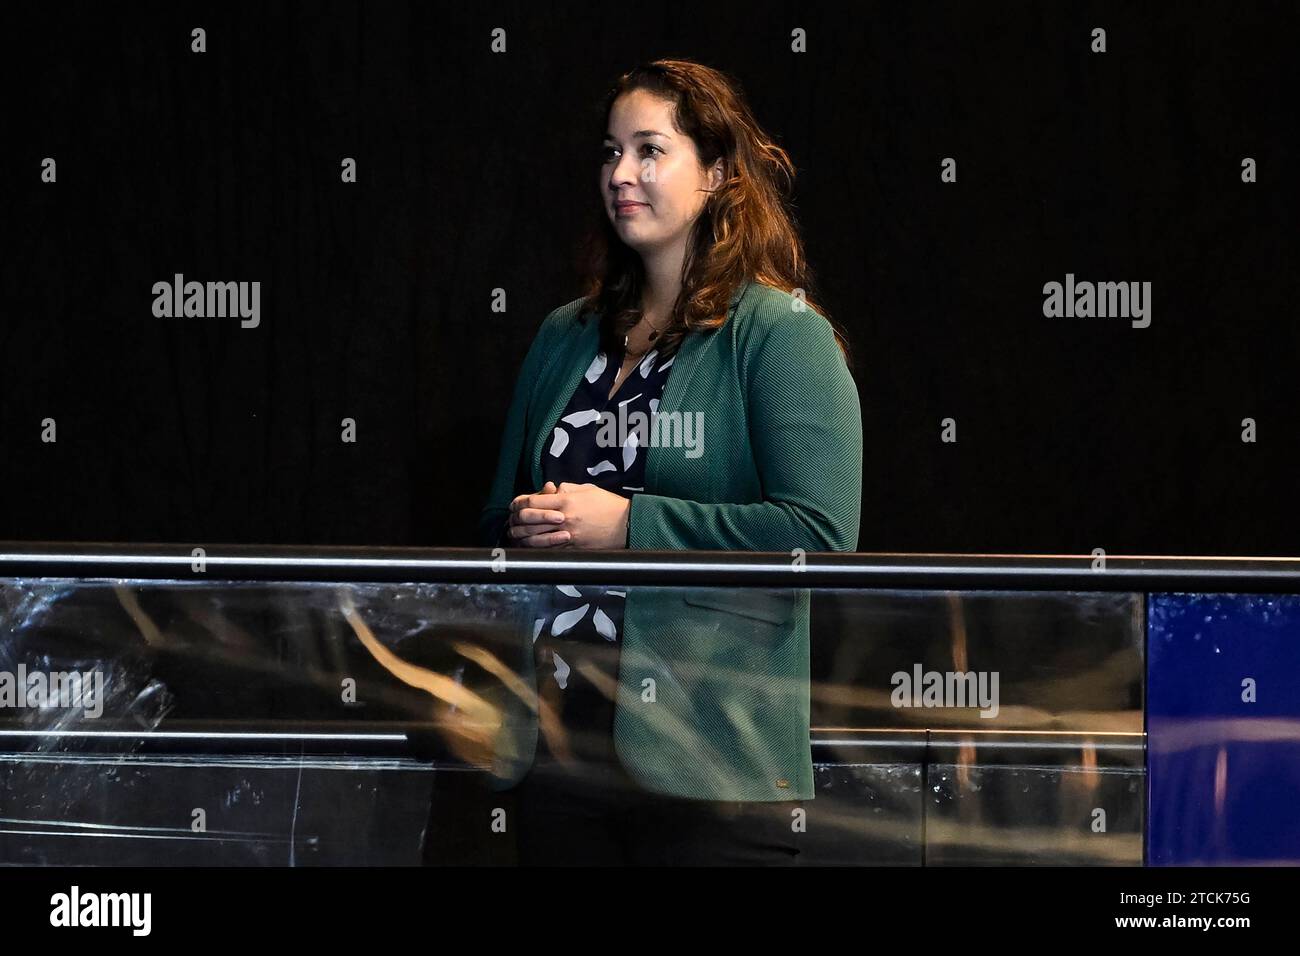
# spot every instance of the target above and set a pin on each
(624, 172)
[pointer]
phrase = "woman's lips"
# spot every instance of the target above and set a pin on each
(628, 206)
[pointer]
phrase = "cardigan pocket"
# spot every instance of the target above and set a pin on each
(772, 606)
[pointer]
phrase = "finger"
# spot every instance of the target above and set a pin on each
(525, 501)
(521, 531)
(538, 516)
(545, 502)
(547, 539)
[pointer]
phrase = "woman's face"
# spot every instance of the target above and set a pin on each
(651, 178)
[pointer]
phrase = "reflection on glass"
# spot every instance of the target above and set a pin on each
(291, 723)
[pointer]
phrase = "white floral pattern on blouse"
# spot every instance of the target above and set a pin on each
(574, 454)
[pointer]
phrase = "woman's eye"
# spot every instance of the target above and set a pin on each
(607, 152)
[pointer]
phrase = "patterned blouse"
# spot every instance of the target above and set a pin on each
(596, 441)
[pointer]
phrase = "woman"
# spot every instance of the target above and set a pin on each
(675, 721)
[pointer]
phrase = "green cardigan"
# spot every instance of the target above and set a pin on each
(713, 688)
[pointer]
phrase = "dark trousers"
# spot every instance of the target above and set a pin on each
(594, 814)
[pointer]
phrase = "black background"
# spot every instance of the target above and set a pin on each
(477, 171)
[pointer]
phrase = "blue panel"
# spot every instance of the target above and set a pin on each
(1224, 772)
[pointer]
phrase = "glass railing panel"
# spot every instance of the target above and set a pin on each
(312, 722)
(1224, 729)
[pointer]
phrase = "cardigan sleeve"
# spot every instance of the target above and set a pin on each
(805, 427)
(492, 524)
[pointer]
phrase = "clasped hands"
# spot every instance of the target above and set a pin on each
(569, 516)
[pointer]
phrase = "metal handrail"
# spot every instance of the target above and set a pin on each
(885, 570)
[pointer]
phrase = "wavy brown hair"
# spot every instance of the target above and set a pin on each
(746, 230)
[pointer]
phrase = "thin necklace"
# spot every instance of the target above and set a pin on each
(653, 335)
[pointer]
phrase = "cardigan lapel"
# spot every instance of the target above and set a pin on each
(558, 387)
(567, 371)
(688, 356)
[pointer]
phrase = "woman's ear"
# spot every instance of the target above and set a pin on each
(717, 174)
